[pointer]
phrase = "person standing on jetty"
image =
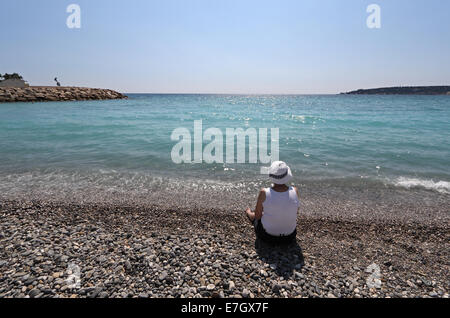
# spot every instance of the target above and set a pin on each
(275, 215)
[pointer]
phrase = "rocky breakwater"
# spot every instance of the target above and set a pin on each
(42, 93)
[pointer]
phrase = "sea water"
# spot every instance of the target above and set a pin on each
(123, 147)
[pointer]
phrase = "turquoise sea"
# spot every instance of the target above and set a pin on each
(123, 147)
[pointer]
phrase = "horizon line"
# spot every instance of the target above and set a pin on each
(244, 94)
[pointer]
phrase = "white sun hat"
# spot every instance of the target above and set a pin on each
(279, 172)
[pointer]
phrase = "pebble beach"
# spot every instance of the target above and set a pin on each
(148, 251)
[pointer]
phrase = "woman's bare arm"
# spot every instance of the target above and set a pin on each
(259, 204)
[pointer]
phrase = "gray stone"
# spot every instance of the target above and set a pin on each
(163, 276)
(34, 292)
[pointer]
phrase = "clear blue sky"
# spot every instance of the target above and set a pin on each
(227, 46)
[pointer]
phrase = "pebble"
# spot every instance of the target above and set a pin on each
(34, 292)
(162, 276)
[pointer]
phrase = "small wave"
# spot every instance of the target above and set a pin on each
(440, 186)
(304, 119)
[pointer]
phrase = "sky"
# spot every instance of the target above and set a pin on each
(227, 46)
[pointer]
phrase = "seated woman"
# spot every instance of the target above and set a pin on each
(275, 215)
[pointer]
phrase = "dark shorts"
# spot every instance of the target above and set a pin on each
(266, 237)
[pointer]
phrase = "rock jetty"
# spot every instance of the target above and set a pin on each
(48, 93)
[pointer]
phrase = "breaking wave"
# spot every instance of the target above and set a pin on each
(440, 186)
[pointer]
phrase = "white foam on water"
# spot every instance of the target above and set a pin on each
(439, 186)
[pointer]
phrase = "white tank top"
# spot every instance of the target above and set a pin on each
(280, 211)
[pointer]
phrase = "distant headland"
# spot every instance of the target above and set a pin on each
(14, 89)
(403, 90)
